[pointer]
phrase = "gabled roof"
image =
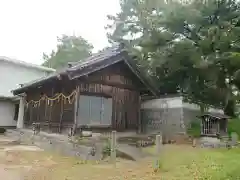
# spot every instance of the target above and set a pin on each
(215, 115)
(92, 64)
(25, 64)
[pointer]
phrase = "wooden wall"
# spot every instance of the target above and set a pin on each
(116, 81)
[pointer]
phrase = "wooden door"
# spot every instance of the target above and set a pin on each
(94, 110)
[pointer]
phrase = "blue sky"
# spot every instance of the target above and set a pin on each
(29, 28)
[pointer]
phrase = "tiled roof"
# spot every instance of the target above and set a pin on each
(91, 64)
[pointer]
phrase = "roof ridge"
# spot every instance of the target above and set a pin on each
(93, 57)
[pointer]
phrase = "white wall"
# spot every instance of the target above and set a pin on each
(177, 116)
(174, 102)
(12, 74)
(196, 107)
(7, 114)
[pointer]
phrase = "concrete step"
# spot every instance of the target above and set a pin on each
(131, 152)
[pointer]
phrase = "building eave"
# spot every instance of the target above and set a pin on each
(25, 64)
(8, 98)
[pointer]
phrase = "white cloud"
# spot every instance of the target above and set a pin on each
(29, 28)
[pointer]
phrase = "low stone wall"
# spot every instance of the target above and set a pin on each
(57, 143)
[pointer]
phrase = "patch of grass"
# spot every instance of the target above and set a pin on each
(194, 129)
(107, 148)
(234, 126)
(2, 130)
(176, 162)
(185, 162)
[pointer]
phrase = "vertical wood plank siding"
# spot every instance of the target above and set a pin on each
(117, 82)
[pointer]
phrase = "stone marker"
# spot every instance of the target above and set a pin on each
(194, 143)
(113, 147)
(158, 150)
(94, 152)
(20, 137)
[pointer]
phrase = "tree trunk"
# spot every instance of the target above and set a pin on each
(202, 108)
(230, 108)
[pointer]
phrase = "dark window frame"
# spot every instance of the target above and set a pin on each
(16, 111)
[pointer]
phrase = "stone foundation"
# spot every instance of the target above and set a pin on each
(211, 142)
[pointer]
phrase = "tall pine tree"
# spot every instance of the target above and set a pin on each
(191, 47)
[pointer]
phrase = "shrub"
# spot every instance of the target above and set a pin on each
(107, 149)
(194, 129)
(2, 130)
(234, 126)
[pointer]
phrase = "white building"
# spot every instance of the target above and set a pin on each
(12, 74)
(171, 113)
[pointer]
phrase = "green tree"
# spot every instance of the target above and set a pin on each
(69, 49)
(190, 47)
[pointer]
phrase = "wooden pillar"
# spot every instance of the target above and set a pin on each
(61, 115)
(202, 127)
(20, 121)
(226, 125)
(218, 127)
(140, 123)
(50, 106)
(45, 115)
(50, 115)
(76, 107)
(30, 107)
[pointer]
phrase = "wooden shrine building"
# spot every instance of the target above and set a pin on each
(213, 124)
(103, 91)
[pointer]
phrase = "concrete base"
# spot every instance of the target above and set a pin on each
(209, 139)
(210, 142)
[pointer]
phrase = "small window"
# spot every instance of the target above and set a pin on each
(16, 111)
